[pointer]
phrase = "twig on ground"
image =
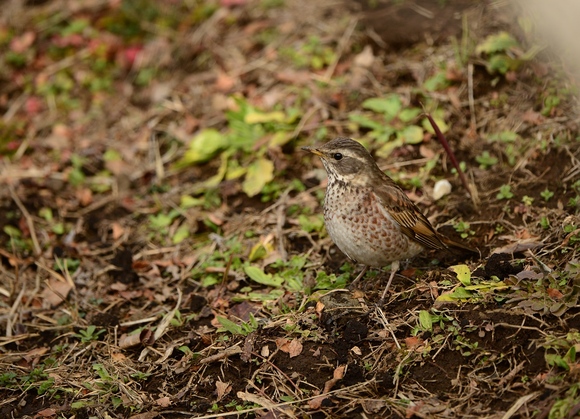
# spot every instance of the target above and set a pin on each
(29, 221)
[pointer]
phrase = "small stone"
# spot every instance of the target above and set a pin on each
(442, 188)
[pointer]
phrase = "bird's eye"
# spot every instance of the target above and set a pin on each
(337, 156)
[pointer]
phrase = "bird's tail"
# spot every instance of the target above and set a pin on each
(452, 244)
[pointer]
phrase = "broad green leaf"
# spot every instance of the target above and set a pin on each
(425, 320)
(389, 106)
(12, 231)
(160, 221)
(437, 82)
(45, 213)
(311, 223)
(188, 201)
(204, 146)
(440, 123)
(258, 275)
(259, 174)
(280, 138)
(388, 148)
(502, 63)
(215, 180)
(234, 170)
(571, 354)
(459, 293)
(261, 296)
(408, 114)
(463, 273)
(487, 286)
(498, 42)
(556, 360)
(260, 250)
(366, 122)
(255, 117)
(58, 228)
(504, 136)
(181, 234)
(295, 283)
(230, 326)
(411, 135)
(112, 155)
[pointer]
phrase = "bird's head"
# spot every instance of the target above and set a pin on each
(345, 160)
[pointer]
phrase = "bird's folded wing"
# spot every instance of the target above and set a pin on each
(412, 222)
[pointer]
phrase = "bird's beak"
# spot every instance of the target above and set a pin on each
(312, 150)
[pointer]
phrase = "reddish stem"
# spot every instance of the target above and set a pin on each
(450, 153)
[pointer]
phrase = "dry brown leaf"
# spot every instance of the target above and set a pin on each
(554, 293)
(338, 373)
(224, 82)
(35, 353)
(85, 196)
(46, 413)
(117, 230)
(294, 348)
(146, 415)
(372, 406)
(282, 344)
(222, 389)
(316, 403)
(413, 341)
(319, 307)
(55, 291)
(163, 401)
(118, 357)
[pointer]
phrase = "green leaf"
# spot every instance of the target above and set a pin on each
(58, 228)
(258, 275)
(112, 155)
(188, 201)
(556, 360)
(458, 293)
(504, 136)
(425, 320)
(255, 117)
(181, 234)
(389, 106)
(230, 326)
(463, 274)
(439, 120)
(411, 135)
(388, 148)
(437, 82)
(311, 223)
(204, 146)
(262, 296)
(46, 213)
(366, 122)
(259, 174)
(502, 64)
(408, 114)
(12, 231)
(499, 42)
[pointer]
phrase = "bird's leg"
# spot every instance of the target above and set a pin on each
(362, 273)
(394, 268)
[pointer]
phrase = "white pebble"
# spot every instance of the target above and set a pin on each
(441, 188)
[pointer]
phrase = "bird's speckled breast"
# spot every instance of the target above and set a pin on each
(361, 230)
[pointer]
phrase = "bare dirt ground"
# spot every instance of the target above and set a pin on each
(162, 251)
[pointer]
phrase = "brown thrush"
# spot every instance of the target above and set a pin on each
(367, 215)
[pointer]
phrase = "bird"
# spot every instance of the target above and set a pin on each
(368, 216)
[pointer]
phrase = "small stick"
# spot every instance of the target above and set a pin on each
(451, 155)
(29, 220)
